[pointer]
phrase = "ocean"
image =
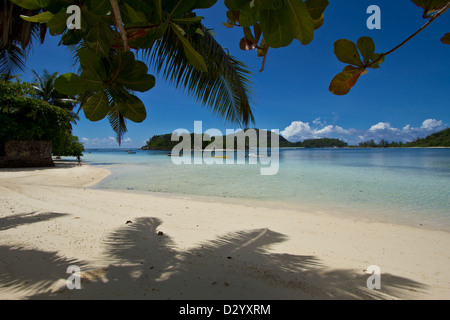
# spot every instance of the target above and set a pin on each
(402, 186)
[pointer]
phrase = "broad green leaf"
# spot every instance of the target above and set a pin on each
(204, 4)
(430, 5)
(248, 18)
(275, 32)
(446, 38)
(177, 7)
(132, 108)
(380, 59)
(296, 14)
(161, 29)
(90, 61)
(233, 16)
(343, 82)
(72, 37)
(257, 31)
(347, 52)
(43, 17)
(248, 34)
(144, 42)
(318, 23)
(236, 4)
(142, 84)
(266, 4)
(254, 4)
(188, 20)
(132, 73)
(92, 80)
(316, 8)
(31, 4)
(58, 23)
(70, 84)
(100, 36)
(192, 55)
(131, 15)
(99, 6)
(366, 47)
(97, 106)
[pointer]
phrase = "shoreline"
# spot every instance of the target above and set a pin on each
(349, 212)
(51, 218)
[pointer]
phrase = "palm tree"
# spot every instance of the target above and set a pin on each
(225, 89)
(16, 36)
(44, 87)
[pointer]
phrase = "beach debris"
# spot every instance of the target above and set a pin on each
(214, 283)
(226, 284)
(229, 257)
(128, 221)
(160, 233)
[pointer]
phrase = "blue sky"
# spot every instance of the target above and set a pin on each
(405, 99)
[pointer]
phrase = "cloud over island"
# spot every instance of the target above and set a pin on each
(299, 131)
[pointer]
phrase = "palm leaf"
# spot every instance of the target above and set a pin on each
(12, 59)
(17, 36)
(225, 89)
(116, 120)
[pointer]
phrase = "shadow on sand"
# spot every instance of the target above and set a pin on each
(145, 265)
(15, 220)
(59, 164)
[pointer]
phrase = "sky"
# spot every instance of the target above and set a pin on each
(406, 98)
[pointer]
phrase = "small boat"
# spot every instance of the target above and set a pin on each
(131, 152)
(222, 157)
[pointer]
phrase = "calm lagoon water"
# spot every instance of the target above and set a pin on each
(408, 186)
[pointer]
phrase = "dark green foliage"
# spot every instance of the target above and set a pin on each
(314, 143)
(163, 142)
(438, 139)
(68, 145)
(382, 144)
(25, 118)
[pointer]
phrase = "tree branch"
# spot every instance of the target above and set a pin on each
(433, 17)
(119, 24)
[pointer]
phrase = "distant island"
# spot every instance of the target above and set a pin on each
(437, 139)
(164, 142)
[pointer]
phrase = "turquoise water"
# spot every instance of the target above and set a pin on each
(408, 186)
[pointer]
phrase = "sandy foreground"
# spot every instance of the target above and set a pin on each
(145, 246)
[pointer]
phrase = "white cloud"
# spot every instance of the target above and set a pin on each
(298, 131)
(432, 124)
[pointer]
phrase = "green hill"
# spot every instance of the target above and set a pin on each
(438, 139)
(163, 142)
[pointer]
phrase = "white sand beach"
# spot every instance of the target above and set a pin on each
(150, 246)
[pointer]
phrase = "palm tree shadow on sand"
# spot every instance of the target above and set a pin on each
(145, 265)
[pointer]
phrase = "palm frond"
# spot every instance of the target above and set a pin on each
(225, 89)
(116, 120)
(12, 59)
(17, 35)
